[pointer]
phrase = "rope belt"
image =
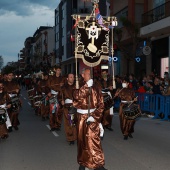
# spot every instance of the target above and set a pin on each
(3, 105)
(124, 101)
(68, 101)
(83, 111)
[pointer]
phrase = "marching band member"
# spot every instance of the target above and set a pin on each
(89, 103)
(106, 86)
(69, 111)
(55, 83)
(5, 103)
(36, 95)
(127, 95)
(13, 89)
(45, 109)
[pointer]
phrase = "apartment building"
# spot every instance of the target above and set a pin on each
(42, 51)
(156, 28)
(137, 11)
(63, 30)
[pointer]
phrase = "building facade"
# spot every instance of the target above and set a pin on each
(156, 28)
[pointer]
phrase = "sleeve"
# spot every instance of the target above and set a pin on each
(8, 99)
(97, 114)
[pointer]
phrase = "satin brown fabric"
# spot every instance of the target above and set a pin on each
(56, 118)
(55, 83)
(11, 86)
(90, 153)
(3, 131)
(126, 125)
(69, 127)
(107, 118)
(45, 110)
(4, 98)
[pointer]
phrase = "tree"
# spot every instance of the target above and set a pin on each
(128, 49)
(1, 62)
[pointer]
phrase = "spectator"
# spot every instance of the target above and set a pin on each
(118, 82)
(156, 86)
(132, 82)
(149, 87)
(140, 87)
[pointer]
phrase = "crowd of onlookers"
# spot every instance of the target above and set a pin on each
(151, 84)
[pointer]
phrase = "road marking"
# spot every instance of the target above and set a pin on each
(25, 98)
(29, 103)
(54, 133)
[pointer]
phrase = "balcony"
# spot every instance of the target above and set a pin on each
(84, 10)
(156, 21)
(156, 14)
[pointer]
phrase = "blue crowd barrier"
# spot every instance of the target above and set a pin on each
(154, 103)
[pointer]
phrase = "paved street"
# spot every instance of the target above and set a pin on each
(34, 147)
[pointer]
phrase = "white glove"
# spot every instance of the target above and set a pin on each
(90, 83)
(90, 119)
(101, 130)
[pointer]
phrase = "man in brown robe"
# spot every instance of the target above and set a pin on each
(45, 108)
(107, 88)
(55, 83)
(127, 95)
(69, 118)
(89, 115)
(5, 103)
(12, 88)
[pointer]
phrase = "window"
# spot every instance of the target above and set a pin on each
(62, 14)
(159, 11)
(63, 32)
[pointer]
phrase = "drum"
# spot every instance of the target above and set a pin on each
(15, 102)
(108, 102)
(37, 100)
(53, 99)
(3, 117)
(30, 94)
(72, 110)
(131, 111)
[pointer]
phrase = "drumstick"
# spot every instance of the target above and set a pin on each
(133, 101)
(119, 92)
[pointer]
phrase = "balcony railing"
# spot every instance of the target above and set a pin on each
(84, 10)
(156, 14)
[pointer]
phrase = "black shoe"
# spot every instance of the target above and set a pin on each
(71, 143)
(4, 137)
(109, 128)
(43, 118)
(52, 129)
(81, 167)
(16, 127)
(125, 137)
(130, 135)
(100, 168)
(57, 129)
(10, 129)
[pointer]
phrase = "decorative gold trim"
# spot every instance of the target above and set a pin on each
(102, 57)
